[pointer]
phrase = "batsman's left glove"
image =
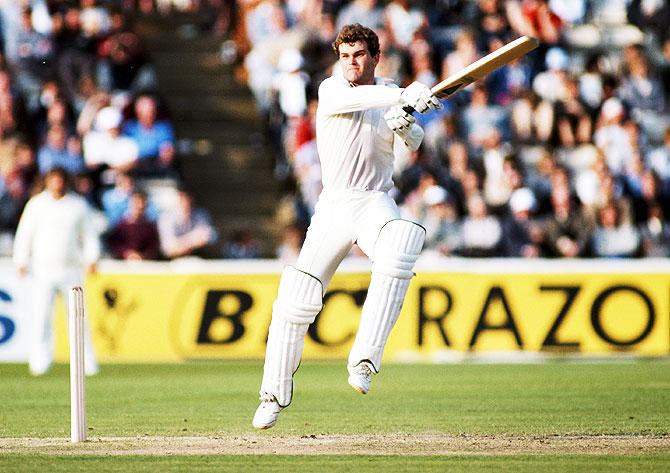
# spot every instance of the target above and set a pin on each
(420, 97)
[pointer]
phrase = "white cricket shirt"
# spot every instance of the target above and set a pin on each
(56, 234)
(354, 143)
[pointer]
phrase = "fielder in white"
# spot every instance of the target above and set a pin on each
(359, 124)
(55, 239)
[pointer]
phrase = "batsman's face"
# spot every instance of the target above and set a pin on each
(357, 64)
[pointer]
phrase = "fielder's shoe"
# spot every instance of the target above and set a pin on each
(359, 376)
(39, 365)
(91, 368)
(267, 413)
(41, 371)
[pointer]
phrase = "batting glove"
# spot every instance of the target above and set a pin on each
(398, 120)
(403, 125)
(420, 98)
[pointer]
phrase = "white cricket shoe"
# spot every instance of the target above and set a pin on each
(267, 413)
(359, 376)
(91, 368)
(39, 365)
(41, 371)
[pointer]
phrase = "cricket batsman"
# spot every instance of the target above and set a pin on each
(360, 122)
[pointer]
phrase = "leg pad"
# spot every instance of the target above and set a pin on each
(397, 248)
(297, 305)
(300, 297)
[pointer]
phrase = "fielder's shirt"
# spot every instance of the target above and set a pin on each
(56, 234)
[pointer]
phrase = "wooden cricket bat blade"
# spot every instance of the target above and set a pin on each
(482, 67)
(485, 66)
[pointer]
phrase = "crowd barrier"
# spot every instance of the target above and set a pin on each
(455, 308)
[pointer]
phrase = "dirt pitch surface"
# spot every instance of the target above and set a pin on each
(325, 444)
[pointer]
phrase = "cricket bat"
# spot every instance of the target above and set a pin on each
(482, 67)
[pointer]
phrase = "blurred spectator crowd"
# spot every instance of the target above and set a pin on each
(78, 92)
(564, 153)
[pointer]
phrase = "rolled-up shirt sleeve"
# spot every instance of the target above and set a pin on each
(91, 246)
(25, 233)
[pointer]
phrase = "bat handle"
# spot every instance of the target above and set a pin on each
(409, 109)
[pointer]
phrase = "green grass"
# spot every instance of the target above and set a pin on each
(208, 398)
(358, 464)
(623, 398)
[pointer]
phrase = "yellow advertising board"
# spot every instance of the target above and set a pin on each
(167, 317)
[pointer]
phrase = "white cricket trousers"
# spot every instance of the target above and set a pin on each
(342, 218)
(44, 291)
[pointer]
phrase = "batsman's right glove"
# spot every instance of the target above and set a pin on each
(398, 120)
(403, 125)
(420, 98)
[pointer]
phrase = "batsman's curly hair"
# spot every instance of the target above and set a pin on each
(357, 32)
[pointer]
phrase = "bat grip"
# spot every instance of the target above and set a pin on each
(409, 109)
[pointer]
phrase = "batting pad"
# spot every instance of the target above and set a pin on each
(396, 251)
(298, 302)
(397, 248)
